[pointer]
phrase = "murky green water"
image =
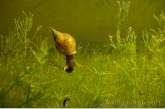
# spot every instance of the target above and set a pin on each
(89, 21)
(131, 75)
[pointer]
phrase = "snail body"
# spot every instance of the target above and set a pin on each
(70, 63)
(66, 45)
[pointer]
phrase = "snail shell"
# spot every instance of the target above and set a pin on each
(66, 45)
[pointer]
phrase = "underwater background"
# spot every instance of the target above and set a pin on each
(120, 59)
(89, 21)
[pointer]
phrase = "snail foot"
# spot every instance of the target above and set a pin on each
(67, 69)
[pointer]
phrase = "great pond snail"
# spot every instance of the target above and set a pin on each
(66, 45)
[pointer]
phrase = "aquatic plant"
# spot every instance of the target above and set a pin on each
(123, 12)
(18, 67)
(121, 17)
(141, 63)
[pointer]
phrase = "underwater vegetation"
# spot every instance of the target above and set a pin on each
(129, 73)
